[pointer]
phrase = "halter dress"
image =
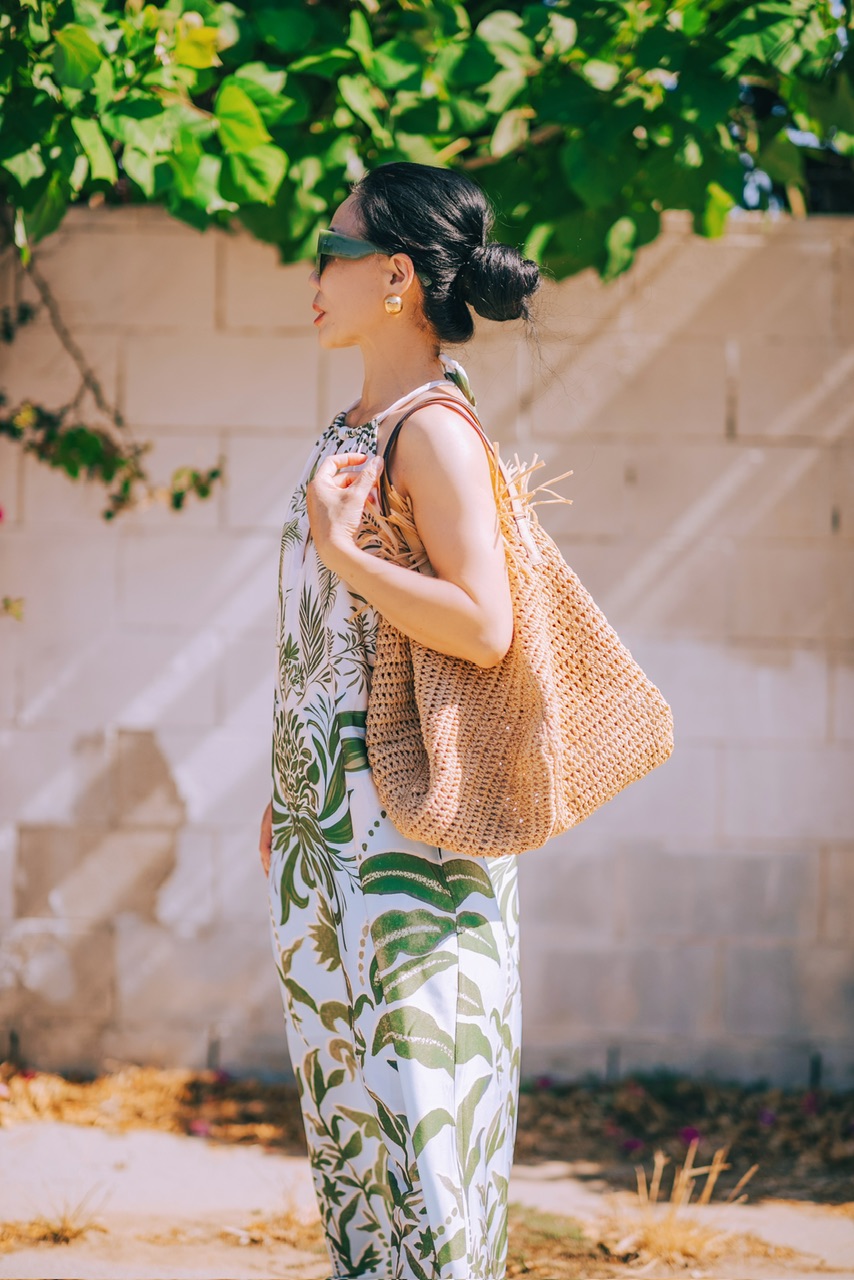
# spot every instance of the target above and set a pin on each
(397, 961)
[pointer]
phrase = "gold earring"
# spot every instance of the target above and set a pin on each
(393, 304)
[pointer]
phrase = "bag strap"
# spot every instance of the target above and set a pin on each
(519, 513)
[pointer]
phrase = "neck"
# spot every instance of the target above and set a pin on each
(395, 365)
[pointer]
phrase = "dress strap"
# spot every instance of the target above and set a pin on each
(454, 372)
(398, 404)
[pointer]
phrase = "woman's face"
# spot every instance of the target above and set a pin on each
(348, 302)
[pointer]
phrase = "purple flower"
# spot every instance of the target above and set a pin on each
(810, 1103)
(688, 1134)
(543, 1082)
(631, 1144)
(766, 1116)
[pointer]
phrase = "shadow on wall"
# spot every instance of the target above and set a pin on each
(73, 883)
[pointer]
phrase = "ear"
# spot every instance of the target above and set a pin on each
(401, 272)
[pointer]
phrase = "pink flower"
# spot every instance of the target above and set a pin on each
(200, 1128)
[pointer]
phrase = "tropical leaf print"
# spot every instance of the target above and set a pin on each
(397, 962)
(351, 728)
(312, 641)
(355, 657)
(413, 1033)
(412, 932)
(406, 873)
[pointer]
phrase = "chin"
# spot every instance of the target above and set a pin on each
(331, 341)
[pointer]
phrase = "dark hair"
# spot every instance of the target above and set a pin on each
(442, 219)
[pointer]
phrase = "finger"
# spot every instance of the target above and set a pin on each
(338, 461)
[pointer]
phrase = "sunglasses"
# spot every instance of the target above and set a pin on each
(334, 244)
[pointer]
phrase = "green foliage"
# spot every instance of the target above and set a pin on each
(582, 121)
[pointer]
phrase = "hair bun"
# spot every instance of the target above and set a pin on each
(497, 281)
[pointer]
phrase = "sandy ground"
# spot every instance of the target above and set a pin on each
(165, 1199)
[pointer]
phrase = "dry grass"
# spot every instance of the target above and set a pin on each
(545, 1246)
(210, 1104)
(59, 1228)
(287, 1228)
(660, 1233)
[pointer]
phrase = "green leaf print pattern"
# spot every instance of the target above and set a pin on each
(397, 962)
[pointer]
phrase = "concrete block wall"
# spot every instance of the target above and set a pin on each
(703, 919)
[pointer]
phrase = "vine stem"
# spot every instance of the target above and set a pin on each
(89, 380)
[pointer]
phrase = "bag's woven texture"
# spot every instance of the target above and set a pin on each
(491, 761)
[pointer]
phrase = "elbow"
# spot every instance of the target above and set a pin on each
(494, 645)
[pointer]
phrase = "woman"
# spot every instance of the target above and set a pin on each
(398, 961)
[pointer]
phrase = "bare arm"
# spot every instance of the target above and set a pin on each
(441, 464)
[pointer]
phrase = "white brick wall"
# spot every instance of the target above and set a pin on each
(704, 918)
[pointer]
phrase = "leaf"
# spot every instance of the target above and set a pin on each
(139, 166)
(472, 1043)
(502, 32)
(102, 163)
(332, 1011)
(197, 47)
(355, 754)
(413, 933)
(253, 175)
(412, 974)
(398, 64)
(619, 245)
(452, 1249)
(510, 133)
(140, 122)
(26, 166)
(414, 1034)
(409, 874)
(241, 128)
(352, 1149)
(326, 64)
(287, 28)
(475, 934)
(466, 1114)
(75, 56)
(391, 1126)
(782, 160)
(564, 32)
(48, 211)
(358, 94)
(265, 86)
(429, 1126)
(718, 205)
(602, 75)
(360, 37)
(504, 88)
(367, 1123)
(465, 876)
(300, 995)
(469, 998)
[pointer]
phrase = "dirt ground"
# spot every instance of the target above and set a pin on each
(149, 1174)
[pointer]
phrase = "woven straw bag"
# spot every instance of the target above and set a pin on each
(491, 761)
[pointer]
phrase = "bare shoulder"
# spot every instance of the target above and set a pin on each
(439, 441)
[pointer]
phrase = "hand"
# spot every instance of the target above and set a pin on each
(336, 498)
(265, 843)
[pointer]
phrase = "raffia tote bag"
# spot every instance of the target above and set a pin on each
(491, 761)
